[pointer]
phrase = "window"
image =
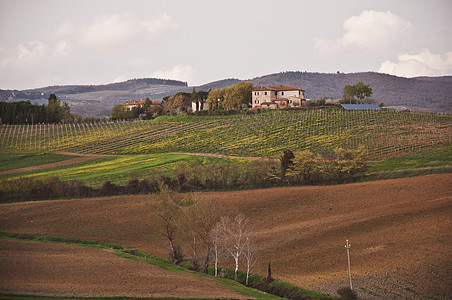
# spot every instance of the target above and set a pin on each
(282, 93)
(265, 93)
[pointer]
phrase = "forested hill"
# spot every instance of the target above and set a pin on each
(421, 94)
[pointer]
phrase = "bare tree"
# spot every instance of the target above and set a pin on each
(169, 213)
(200, 218)
(208, 216)
(216, 236)
(190, 225)
(250, 254)
(235, 230)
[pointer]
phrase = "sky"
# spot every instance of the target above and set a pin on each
(60, 42)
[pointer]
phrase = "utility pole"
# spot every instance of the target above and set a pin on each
(347, 246)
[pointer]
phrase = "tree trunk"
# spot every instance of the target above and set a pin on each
(195, 254)
(173, 251)
(216, 261)
(206, 262)
(236, 268)
(247, 272)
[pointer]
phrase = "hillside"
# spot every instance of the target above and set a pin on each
(383, 133)
(432, 94)
(98, 100)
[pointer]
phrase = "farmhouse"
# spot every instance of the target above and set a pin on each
(275, 97)
(139, 103)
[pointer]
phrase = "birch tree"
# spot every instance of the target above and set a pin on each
(235, 230)
(250, 254)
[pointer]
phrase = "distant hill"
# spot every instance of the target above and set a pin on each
(98, 100)
(430, 94)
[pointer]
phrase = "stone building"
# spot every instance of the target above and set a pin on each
(275, 97)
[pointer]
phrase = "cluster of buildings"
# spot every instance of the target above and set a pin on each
(139, 103)
(273, 97)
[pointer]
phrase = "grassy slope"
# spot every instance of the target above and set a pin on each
(10, 161)
(117, 169)
(438, 157)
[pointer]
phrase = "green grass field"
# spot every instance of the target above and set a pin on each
(384, 133)
(10, 161)
(432, 158)
(116, 169)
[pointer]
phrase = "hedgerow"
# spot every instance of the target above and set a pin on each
(190, 177)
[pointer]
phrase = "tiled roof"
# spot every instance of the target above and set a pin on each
(278, 88)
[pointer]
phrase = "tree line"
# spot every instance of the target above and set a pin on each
(234, 97)
(146, 111)
(205, 231)
(24, 112)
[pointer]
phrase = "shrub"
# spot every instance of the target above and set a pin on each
(346, 293)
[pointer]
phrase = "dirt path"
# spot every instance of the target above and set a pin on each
(35, 268)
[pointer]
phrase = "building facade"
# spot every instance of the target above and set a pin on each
(275, 97)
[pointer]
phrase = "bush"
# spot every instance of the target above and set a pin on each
(346, 293)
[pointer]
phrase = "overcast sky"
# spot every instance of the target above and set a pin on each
(58, 42)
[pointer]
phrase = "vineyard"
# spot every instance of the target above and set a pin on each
(384, 134)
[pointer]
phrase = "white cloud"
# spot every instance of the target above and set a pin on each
(117, 43)
(120, 79)
(423, 63)
(65, 29)
(30, 50)
(179, 72)
(371, 31)
(126, 30)
(62, 48)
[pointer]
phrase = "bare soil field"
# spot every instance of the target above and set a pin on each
(64, 270)
(399, 229)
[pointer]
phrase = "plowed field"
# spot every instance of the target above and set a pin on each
(400, 232)
(63, 270)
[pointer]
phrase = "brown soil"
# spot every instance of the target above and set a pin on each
(63, 270)
(400, 231)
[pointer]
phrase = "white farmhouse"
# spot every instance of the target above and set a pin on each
(275, 97)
